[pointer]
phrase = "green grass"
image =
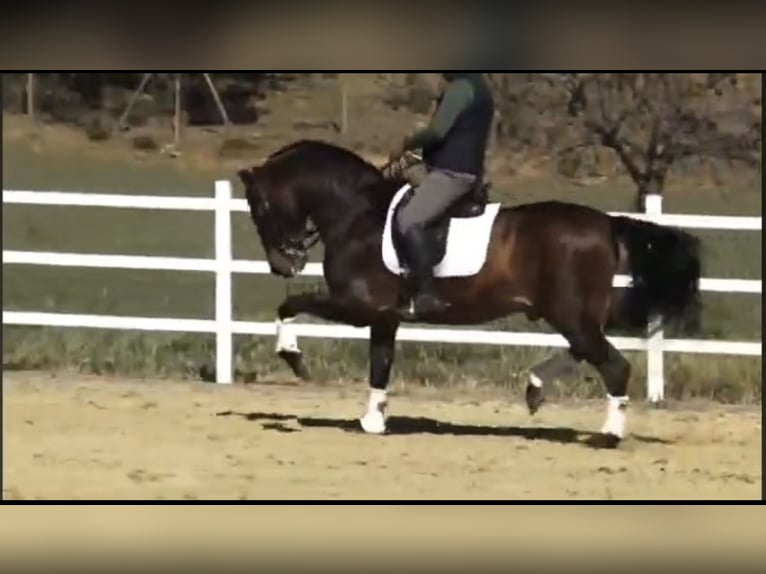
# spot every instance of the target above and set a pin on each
(173, 294)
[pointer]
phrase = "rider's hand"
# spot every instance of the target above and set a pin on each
(397, 153)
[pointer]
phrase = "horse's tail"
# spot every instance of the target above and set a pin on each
(665, 265)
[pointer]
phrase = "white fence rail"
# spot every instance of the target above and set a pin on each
(224, 266)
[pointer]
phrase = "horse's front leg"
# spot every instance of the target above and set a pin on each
(319, 305)
(382, 345)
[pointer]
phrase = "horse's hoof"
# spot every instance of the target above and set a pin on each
(611, 441)
(295, 361)
(604, 441)
(373, 423)
(207, 373)
(534, 398)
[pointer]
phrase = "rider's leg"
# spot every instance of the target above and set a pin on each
(437, 191)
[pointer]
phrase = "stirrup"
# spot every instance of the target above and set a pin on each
(438, 304)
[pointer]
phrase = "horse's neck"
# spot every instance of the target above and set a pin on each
(340, 224)
(336, 216)
(382, 194)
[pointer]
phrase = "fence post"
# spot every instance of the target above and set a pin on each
(655, 367)
(31, 95)
(343, 106)
(223, 313)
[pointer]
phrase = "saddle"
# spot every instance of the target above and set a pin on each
(472, 204)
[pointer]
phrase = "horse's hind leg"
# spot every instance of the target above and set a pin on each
(590, 344)
(615, 371)
(578, 307)
(581, 321)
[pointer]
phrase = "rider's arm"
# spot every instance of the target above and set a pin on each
(458, 97)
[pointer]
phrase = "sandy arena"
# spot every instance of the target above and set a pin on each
(73, 437)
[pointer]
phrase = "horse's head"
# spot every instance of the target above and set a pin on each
(280, 224)
(316, 182)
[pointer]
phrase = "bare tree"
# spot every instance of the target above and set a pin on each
(526, 110)
(654, 121)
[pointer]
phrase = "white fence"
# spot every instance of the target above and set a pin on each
(223, 266)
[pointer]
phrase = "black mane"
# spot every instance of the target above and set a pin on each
(349, 170)
(326, 151)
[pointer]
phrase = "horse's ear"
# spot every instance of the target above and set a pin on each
(248, 176)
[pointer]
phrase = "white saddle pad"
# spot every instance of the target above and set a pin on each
(467, 242)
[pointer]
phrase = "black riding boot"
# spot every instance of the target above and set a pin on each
(425, 300)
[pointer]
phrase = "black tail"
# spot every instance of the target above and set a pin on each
(665, 265)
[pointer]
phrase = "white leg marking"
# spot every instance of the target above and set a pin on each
(374, 420)
(287, 340)
(535, 381)
(615, 417)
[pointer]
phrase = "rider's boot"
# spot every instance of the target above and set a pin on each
(425, 300)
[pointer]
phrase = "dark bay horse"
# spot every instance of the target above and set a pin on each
(552, 260)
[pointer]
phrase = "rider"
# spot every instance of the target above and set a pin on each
(454, 146)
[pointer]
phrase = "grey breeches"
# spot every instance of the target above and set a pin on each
(438, 190)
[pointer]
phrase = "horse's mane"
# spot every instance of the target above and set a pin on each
(321, 148)
(284, 150)
(365, 179)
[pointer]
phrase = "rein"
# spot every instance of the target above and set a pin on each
(402, 163)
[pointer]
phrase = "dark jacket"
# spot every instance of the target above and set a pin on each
(459, 132)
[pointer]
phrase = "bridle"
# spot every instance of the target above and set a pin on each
(296, 248)
(291, 247)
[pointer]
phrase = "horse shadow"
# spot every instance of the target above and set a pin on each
(404, 426)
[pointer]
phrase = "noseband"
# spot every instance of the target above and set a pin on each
(291, 247)
(295, 248)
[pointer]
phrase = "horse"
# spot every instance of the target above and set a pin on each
(550, 260)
